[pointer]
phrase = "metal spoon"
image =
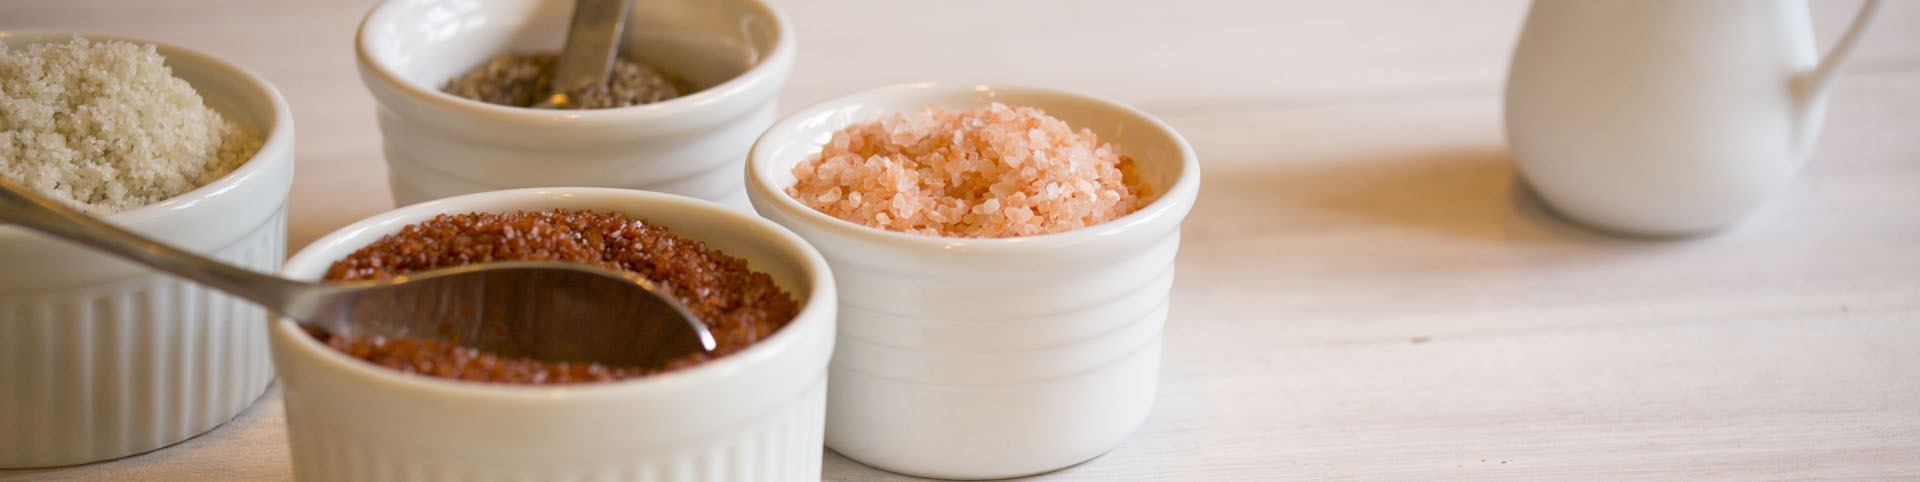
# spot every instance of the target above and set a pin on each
(592, 41)
(547, 311)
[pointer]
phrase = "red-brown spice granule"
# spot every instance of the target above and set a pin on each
(738, 305)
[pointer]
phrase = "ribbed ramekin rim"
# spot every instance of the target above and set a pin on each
(278, 141)
(1167, 209)
(764, 71)
(817, 309)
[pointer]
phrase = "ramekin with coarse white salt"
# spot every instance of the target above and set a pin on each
(102, 358)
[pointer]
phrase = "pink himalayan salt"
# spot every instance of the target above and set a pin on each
(990, 172)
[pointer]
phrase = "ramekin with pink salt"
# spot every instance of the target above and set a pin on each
(976, 341)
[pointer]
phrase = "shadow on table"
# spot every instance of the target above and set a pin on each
(252, 446)
(1470, 194)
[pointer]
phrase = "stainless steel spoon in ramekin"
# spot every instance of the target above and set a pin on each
(593, 40)
(559, 312)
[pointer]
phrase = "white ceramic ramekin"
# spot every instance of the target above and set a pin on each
(439, 145)
(755, 415)
(988, 358)
(100, 358)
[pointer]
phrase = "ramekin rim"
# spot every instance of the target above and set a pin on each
(817, 275)
(1180, 195)
(276, 140)
(760, 72)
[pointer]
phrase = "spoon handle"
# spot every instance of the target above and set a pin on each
(33, 211)
(592, 42)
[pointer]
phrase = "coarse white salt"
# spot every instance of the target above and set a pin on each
(990, 172)
(105, 127)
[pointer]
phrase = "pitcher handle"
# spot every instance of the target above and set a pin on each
(1817, 81)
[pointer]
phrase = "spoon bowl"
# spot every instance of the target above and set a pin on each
(548, 311)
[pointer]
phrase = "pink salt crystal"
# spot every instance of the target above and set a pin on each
(994, 171)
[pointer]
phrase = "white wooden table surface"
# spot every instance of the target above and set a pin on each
(1364, 293)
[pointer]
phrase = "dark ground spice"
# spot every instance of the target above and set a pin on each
(738, 305)
(522, 79)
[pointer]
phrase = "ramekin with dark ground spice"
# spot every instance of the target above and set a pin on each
(739, 305)
(727, 58)
(523, 79)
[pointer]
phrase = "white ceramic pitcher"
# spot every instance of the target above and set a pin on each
(1664, 117)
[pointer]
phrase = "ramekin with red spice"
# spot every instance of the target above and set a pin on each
(752, 413)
